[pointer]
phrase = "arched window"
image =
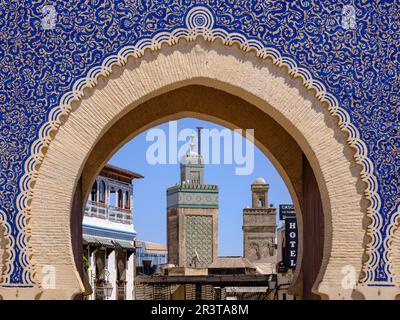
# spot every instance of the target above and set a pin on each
(112, 198)
(93, 195)
(127, 200)
(102, 192)
(120, 199)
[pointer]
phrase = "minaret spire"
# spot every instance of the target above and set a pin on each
(192, 164)
(192, 213)
(199, 140)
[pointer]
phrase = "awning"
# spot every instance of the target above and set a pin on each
(128, 245)
(98, 241)
(108, 243)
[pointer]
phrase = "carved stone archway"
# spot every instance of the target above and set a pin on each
(36, 135)
(239, 74)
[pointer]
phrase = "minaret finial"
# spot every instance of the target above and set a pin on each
(192, 142)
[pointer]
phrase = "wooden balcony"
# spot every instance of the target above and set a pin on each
(107, 212)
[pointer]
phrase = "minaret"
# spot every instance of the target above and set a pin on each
(192, 166)
(192, 215)
(259, 224)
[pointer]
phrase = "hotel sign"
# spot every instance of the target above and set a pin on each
(288, 214)
(291, 242)
(286, 210)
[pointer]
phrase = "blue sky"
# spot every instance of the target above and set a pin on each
(150, 192)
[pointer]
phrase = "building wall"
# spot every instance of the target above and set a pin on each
(396, 256)
(313, 235)
(258, 245)
(178, 236)
(2, 252)
(92, 272)
(112, 268)
(199, 237)
(259, 233)
(173, 236)
(76, 230)
(102, 227)
(130, 278)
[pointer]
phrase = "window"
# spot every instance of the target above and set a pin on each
(261, 201)
(121, 266)
(112, 199)
(127, 200)
(101, 261)
(120, 199)
(93, 195)
(102, 192)
(195, 177)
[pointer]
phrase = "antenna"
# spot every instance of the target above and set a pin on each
(197, 255)
(196, 258)
(199, 139)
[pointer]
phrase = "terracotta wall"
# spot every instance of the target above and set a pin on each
(76, 230)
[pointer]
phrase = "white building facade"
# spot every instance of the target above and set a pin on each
(109, 235)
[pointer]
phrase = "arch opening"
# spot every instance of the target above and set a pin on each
(205, 110)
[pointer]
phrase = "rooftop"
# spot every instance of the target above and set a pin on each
(154, 247)
(231, 262)
(259, 181)
(110, 169)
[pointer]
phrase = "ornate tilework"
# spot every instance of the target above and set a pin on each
(354, 70)
(185, 195)
(199, 240)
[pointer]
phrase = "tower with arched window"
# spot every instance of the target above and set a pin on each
(259, 224)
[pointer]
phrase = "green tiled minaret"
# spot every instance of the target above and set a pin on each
(192, 215)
